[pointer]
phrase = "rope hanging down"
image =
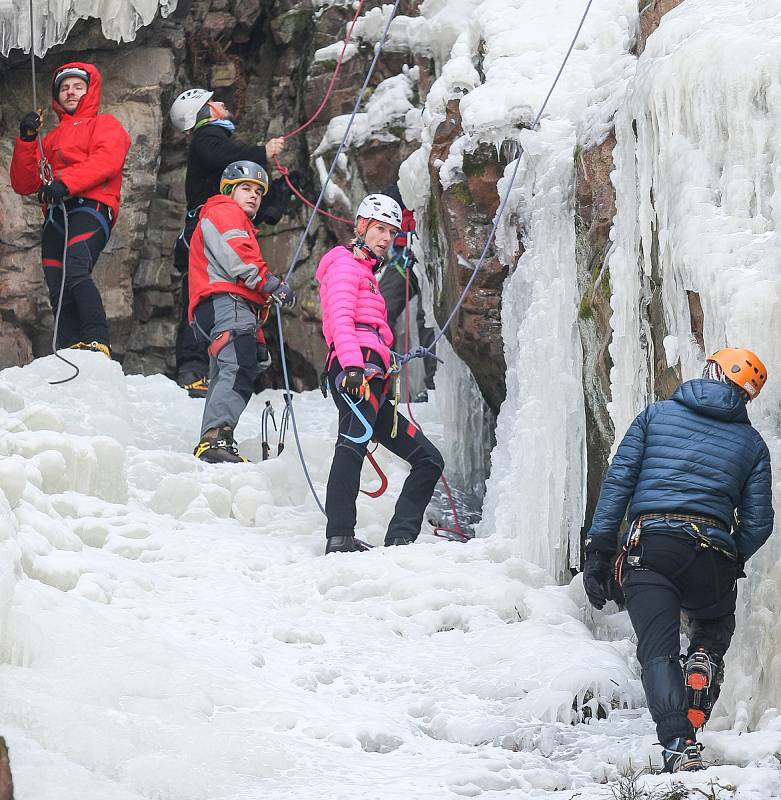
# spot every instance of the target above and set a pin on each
(294, 260)
(506, 198)
(47, 176)
(285, 171)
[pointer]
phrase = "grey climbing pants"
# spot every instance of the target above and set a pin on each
(237, 354)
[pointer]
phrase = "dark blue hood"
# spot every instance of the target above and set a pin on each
(713, 399)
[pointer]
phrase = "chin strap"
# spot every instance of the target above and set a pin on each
(359, 243)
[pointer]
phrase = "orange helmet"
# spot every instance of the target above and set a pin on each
(743, 368)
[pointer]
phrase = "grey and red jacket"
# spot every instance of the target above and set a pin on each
(226, 257)
(86, 150)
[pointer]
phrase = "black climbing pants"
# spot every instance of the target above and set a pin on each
(192, 357)
(410, 444)
(192, 354)
(676, 574)
(393, 288)
(82, 316)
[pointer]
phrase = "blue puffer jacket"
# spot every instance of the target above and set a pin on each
(693, 454)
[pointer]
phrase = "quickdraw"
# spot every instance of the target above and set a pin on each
(268, 414)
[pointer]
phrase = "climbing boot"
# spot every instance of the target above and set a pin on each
(96, 347)
(704, 673)
(344, 544)
(197, 388)
(398, 541)
(217, 447)
(682, 755)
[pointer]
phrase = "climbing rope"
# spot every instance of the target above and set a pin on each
(283, 170)
(46, 175)
(505, 199)
(457, 531)
(59, 303)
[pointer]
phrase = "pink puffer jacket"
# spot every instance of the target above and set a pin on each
(350, 294)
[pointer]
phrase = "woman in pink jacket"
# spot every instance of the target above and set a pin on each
(355, 327)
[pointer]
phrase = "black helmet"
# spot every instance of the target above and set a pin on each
(243, 172)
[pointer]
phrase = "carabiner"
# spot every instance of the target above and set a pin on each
(367, 434)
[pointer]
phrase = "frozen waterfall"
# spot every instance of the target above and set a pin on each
(698, 179)
(54, 19)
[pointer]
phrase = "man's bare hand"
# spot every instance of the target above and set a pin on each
(274, 147)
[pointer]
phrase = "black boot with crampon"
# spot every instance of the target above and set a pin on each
(704, 673)
(217, 447)
(682, 755)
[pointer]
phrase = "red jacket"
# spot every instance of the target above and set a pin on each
(86, 150)
(225, 256)
(407, 226)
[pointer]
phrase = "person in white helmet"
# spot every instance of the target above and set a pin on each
(212, 149)
(355, 326)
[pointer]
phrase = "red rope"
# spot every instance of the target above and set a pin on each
(284, 171)
(458, 530)
(330, 88)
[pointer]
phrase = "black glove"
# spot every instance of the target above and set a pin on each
(283, 295)
(740, 567)
(263, 356)
(53, 193)
(29, 126)
(596, 578)
(353, 382)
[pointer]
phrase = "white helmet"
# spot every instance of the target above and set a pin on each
(380, 207)
(184, 111)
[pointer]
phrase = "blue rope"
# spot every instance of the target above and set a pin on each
(294, 260)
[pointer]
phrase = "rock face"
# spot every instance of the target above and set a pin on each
(258, 57)
(464, 216)
(595, 204)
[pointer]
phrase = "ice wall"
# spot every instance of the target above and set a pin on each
(698, 170)
(499, 57)
(54, 19)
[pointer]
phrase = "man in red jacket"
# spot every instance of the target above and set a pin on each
(86, 153)
(229, 286)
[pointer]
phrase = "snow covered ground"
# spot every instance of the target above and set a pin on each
(171, 629)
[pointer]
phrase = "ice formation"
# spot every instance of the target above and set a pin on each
(698, 180)
(534, 487)
(54, 19)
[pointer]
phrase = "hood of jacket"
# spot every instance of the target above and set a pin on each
(713, 399)
(89, 105)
